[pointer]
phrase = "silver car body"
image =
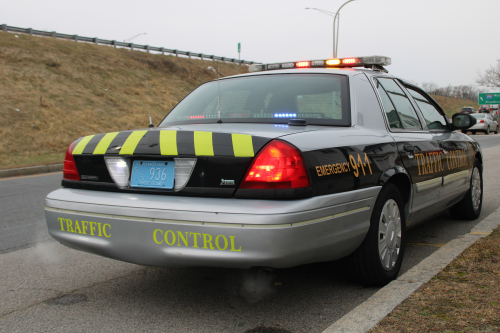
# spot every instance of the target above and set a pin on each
(488, 123)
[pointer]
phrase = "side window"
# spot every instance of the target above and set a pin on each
(433, 118)
(392, 115)
(404, 109)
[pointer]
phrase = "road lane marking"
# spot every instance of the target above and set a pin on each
(43, 174)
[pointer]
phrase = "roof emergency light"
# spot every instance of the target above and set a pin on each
(375, 62)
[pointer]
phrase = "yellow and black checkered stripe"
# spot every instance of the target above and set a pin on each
(170, 143)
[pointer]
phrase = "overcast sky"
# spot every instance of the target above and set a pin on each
(443, 41)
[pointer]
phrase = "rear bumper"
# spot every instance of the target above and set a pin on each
(185, 231)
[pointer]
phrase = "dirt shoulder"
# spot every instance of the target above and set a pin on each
(464, 297)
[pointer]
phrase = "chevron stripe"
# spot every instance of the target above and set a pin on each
(170, 143)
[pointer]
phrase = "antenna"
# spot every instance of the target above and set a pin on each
(218, 100)
(147, 90)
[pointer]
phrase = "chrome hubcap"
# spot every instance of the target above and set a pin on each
(389, 235)
(476, 189)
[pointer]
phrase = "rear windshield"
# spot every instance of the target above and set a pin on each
(321, 99)
(467, 109)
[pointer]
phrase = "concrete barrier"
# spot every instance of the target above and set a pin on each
(30, 170)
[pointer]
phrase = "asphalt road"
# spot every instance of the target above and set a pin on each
(48, 287)
(487, 141)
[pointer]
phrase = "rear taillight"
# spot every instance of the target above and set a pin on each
(481, 121)
(69, 169)
(278, 166)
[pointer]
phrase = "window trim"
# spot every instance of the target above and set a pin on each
(431, 101)
(424, 128)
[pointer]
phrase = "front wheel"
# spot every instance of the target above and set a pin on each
(470, 206)
(378, 259)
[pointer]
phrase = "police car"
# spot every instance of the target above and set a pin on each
(293, 163)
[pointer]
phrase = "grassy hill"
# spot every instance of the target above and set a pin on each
(55, 91)
(452, 105)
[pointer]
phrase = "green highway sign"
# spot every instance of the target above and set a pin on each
(489, 98)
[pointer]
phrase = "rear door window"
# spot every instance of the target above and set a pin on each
(389, 108)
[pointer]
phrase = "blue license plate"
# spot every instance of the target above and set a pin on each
(153, 174)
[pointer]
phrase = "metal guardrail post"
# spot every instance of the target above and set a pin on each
(75, 38)
(147, 48)
(131, 45)
(176, 53)
(113, 42)
(4, 27)
(223, 59)
(95, 40)
(30, 31)
(212, 57)
(189, 54)
(53, 34)
(162, 50)
(201, 56)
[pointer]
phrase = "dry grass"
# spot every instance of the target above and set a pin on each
(464, 297)
(452, 106)
(65, 90)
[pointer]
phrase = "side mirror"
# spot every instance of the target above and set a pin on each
(463, 121)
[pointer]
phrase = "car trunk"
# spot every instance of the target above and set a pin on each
(221, 153)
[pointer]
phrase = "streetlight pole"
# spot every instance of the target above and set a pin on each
(335, 17)
(130, 39)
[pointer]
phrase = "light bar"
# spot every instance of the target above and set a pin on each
(328, 63)
(285, 115)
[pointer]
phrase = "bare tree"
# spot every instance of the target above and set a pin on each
(491, 77)
(430, 87)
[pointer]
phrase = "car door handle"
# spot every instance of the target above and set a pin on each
(409, 148)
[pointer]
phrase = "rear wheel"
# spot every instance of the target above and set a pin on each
(378, 259)
(470, 206)
(473, 132)
(496, 130)
(487, 130)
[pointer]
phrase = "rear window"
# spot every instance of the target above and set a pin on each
(467, 109)
(321, 99)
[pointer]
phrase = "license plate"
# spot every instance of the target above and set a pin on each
(153, 174)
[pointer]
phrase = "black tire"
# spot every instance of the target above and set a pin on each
(465, 209)
(365, 264)
(487, 130)
(473, 132)
(496, 130)
(464, 131)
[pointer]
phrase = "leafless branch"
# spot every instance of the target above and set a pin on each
(491, 77)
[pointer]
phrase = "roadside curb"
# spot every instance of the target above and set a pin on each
(30, 170)
(368, 314)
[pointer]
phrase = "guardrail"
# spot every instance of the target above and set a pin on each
(114, 43)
